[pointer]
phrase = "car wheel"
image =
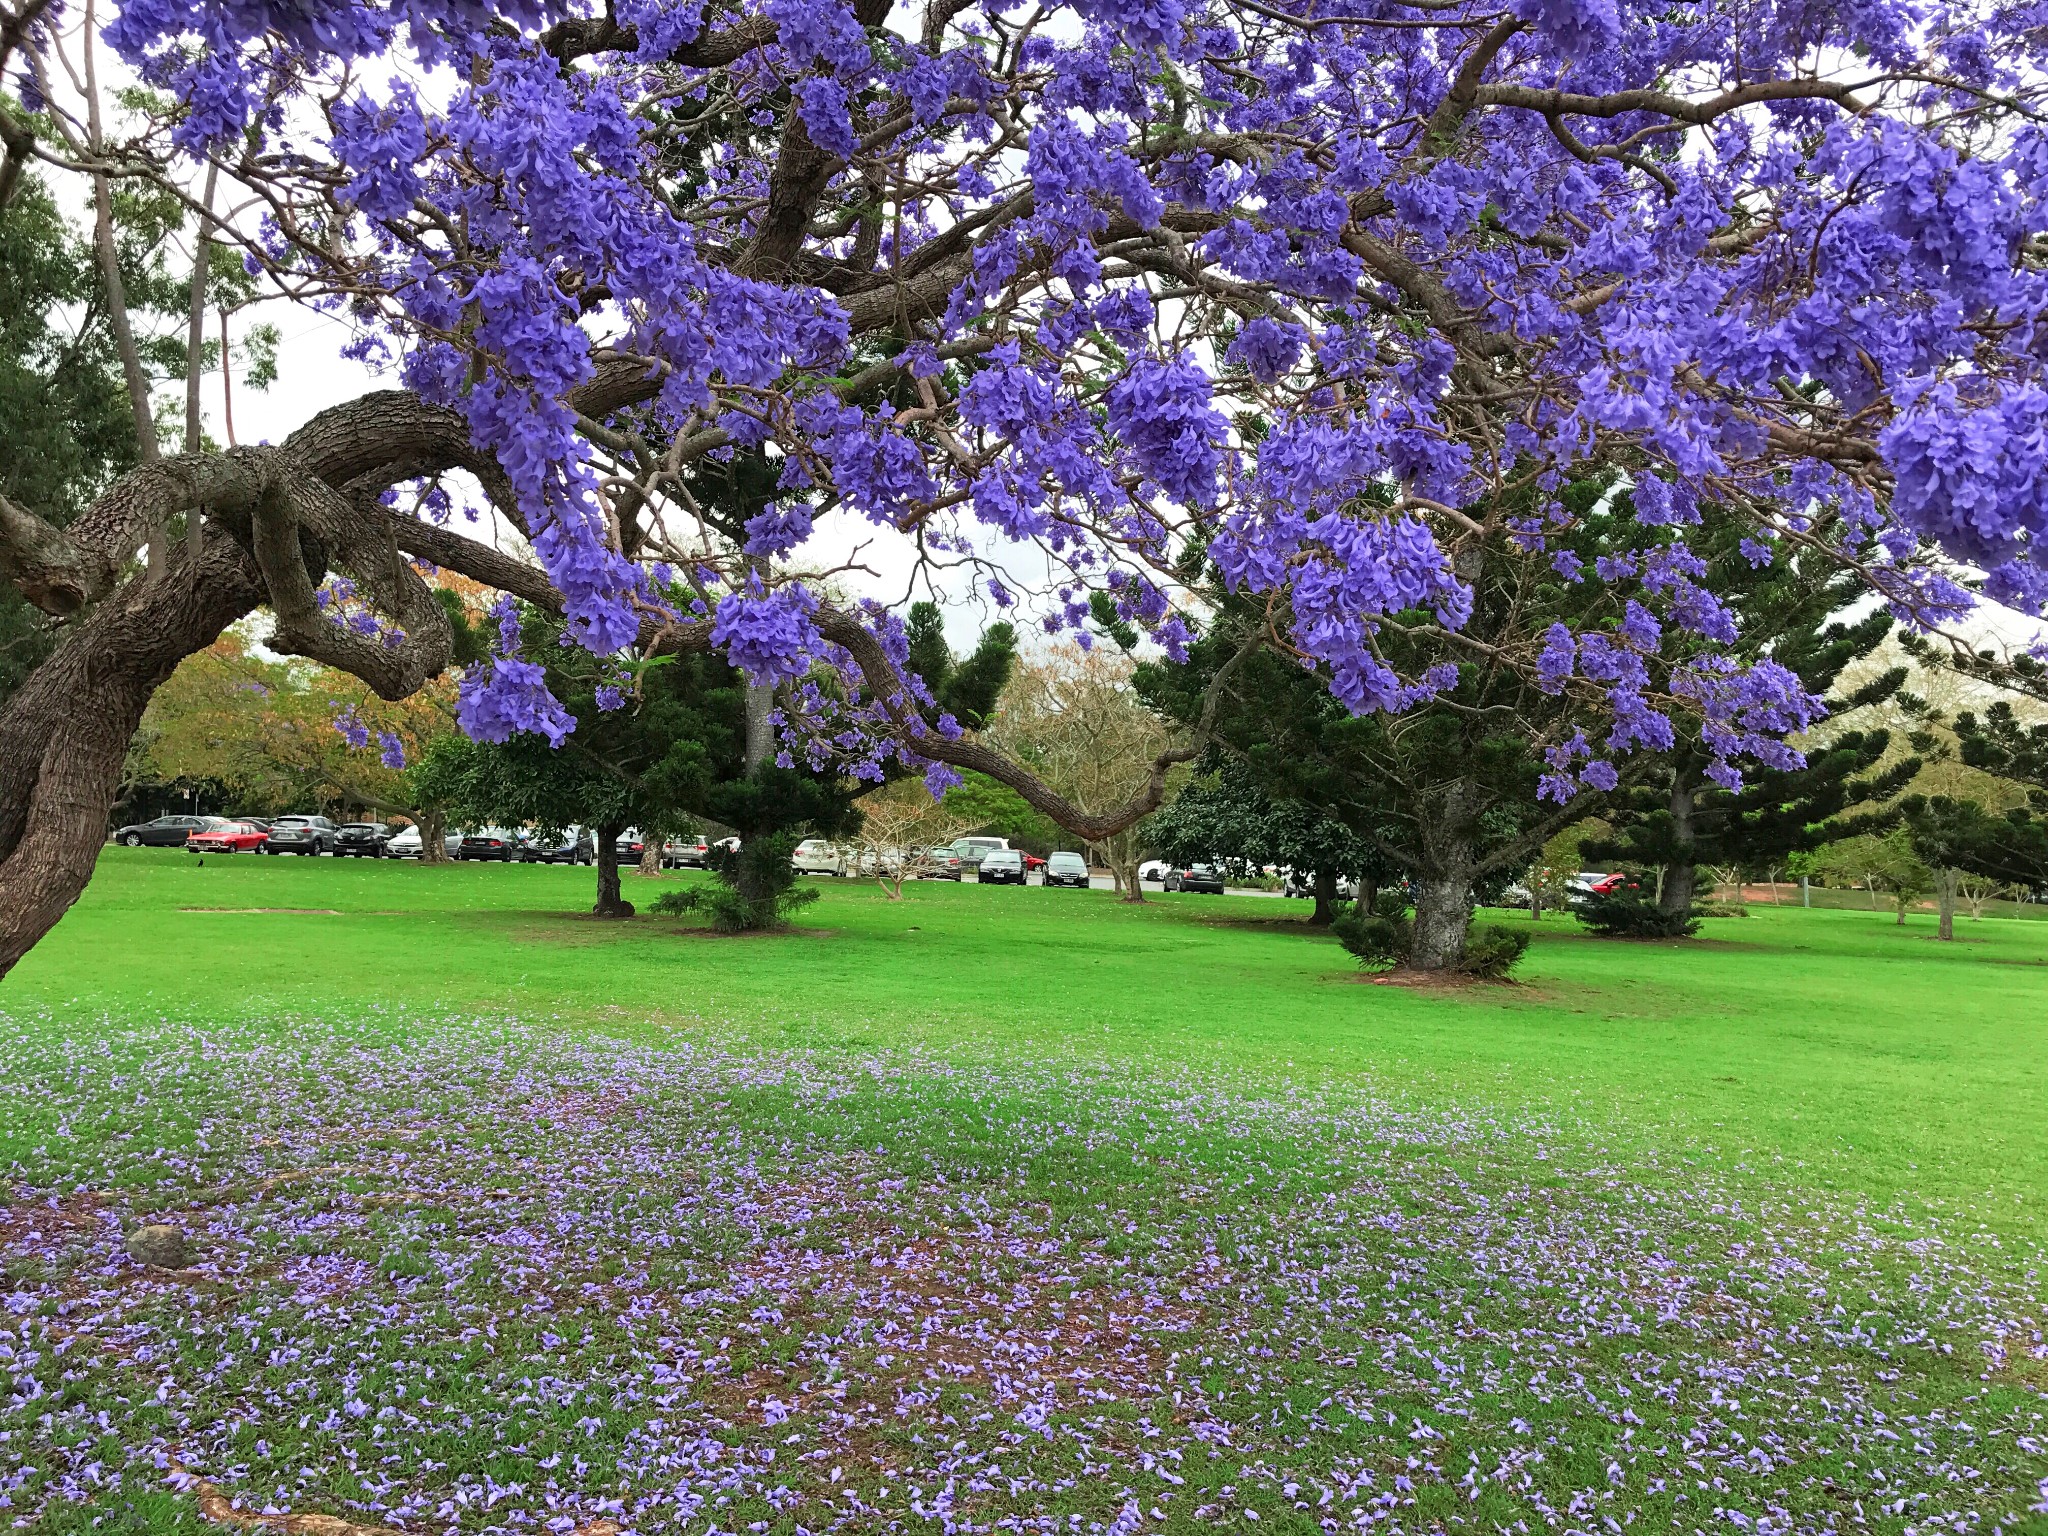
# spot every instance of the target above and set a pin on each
(132, 840)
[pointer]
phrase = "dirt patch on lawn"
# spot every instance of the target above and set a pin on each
(285, 911)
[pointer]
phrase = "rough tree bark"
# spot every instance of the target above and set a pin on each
(1443, 916)
(65, 732)
(650, 859)
(609, 902)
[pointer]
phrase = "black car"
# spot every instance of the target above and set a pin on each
(1202, 879)
(1001, 866)
(164, 832)
(361, 840)
(1067, 869)
(301, 834)
(487, 843)
(571, 847)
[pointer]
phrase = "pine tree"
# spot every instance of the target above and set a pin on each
(1677, 819)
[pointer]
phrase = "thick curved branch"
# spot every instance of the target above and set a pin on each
(582, 36)
(1552, 103)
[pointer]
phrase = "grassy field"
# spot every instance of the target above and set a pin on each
(1010, 1209)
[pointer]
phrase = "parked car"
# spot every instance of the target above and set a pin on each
(405, 844)
(1589, 882)
(361, 840)
(573, 846)
(1000, 866)
(1152, 871)
(1517, 895)
(1032, 862)
(488, 843)
(1202, 879)
(302, 835)
(940, 863)
(972, 850)
(1302, 883)
(164, 832)
(818, 856)
(693, 852)
(228, 837)
(260, 823)
(1067, 869)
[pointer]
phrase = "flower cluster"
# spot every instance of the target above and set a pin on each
(1178, 279)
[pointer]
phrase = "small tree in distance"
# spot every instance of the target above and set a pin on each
(899, 826)
(1071, 715)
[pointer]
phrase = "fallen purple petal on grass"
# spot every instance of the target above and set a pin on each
(479, 1276)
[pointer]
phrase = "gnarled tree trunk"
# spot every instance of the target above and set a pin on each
(650, 858)
(433, 827)
(609, 902)
(65, 732)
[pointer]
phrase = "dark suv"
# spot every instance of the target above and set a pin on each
(301, 834)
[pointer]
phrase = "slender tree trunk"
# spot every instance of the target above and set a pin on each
(1326, 899)
(1947, 889)
(760, 729)
(650, 858)
(1443, 916)
(227, 384)
(609, 902)
(1368, 893)
(1677, 881)
(1903, 899)
(433, 827)
(195, 330)
(1123, 869)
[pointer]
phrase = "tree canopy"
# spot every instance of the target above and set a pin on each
(1337, 297)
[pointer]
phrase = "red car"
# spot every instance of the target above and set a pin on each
(228, 837)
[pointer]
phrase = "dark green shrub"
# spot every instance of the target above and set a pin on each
(1493, 951)
(752, 888)
(1379, 943)
(1625, 913)
(1383, 939)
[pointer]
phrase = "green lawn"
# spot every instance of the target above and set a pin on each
(1861, 1056)
(1000, 1205)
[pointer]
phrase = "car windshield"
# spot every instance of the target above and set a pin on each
(1066, 861)
(294, 821)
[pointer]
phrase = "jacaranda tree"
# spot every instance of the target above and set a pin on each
(1019, 278)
